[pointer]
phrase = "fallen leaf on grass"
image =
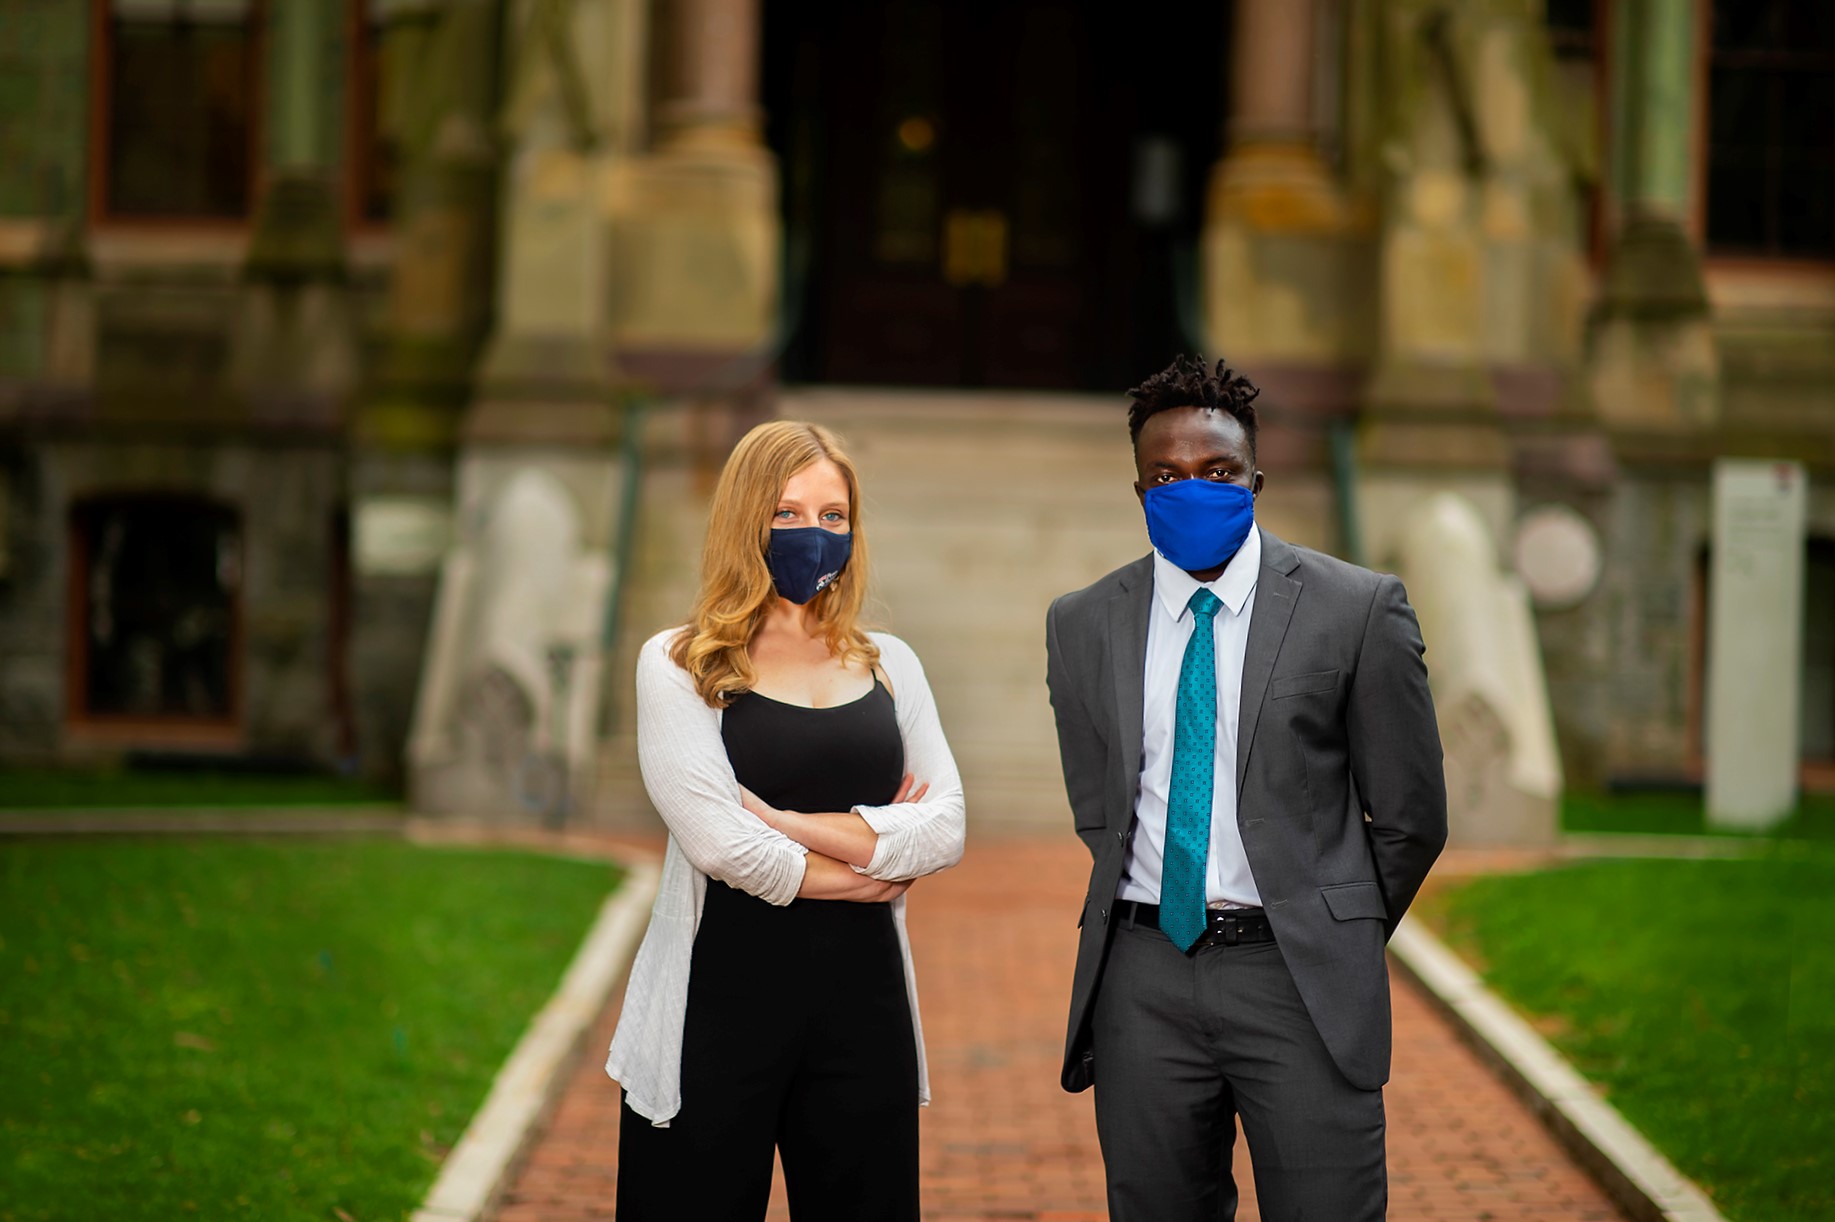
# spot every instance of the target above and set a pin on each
(1551, 1026)
(185, 1039)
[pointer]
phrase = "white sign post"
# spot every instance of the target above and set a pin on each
(1755, 642)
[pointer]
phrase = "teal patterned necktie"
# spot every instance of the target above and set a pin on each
(1188, 802)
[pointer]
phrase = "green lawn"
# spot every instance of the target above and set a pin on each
(127, 788)
(1681, 814)
(1700, 995)
(274, 1031)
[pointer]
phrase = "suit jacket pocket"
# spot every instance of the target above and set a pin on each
(1301, 685)
(1349, 901)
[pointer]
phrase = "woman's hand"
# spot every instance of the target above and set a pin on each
(906, 793)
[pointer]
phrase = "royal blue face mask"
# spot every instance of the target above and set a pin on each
(805, 559)
(1198, 523)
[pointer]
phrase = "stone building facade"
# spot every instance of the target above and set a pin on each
(280, 280)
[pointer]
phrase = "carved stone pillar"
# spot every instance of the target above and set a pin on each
(1276, 221)
(546, 376)
(437, 103)
(1655, 362)
(298, 229)
(515, 682)
(695, 235)
(1428, 421)
(1653, 164)
(1281, 255)
(295, 350)
(1271, 89)
(437, 106)
(710, 75)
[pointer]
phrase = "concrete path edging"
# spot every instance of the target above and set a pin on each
(479, 1165)
(1644, 1183)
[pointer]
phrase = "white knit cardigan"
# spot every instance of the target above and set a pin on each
(692, 786)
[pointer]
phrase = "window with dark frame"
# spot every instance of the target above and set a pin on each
(181, 99)
(1771, 144)
(157, 583)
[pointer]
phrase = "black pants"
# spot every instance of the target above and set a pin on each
(799, 1039)
(1186, 1044)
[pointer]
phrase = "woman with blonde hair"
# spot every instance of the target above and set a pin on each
(799, 764)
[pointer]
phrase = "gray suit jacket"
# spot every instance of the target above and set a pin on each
(1340, 793)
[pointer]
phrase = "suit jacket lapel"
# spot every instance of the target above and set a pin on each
(1128, 654)
(1275, 595)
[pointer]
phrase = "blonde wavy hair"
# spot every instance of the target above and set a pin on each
(736, 588)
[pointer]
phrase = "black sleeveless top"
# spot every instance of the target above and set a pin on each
(813, 760)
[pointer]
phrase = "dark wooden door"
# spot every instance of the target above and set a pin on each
(958, 238)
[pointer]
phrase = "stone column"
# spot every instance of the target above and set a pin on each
(710, 75)
(538, 482)
(695, 235)
(1653, 103)
(1274, 212)
(546, 376)
(437, 105)
(297, 68)
(1282, 255)
(1271, 92)
(1428, 420)
(437, 101)
(298, 227)
(1655, 362)
(294, 356)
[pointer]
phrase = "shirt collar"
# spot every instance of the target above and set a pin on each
(1173, 586)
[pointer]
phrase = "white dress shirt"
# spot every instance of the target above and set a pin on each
(691, 783)
(1228, 882)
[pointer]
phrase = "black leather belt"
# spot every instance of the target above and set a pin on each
(1224, 926)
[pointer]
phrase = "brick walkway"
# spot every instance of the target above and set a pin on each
(994, 940)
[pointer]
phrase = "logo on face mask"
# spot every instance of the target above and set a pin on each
(1198, 524)
(805, 560)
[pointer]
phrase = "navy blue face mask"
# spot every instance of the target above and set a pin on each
(1198, 523)
(804, 560)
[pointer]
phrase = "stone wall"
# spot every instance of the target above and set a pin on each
(1626, 667)
(32, 589)
(287, 499)
(44, 106)
(1577, 644)
(1657, 528)
(391, 611)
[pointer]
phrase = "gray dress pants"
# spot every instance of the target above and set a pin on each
(1184, 1044)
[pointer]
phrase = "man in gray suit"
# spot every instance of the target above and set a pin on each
(1250, 753)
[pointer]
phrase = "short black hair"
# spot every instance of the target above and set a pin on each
(1187, 383)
